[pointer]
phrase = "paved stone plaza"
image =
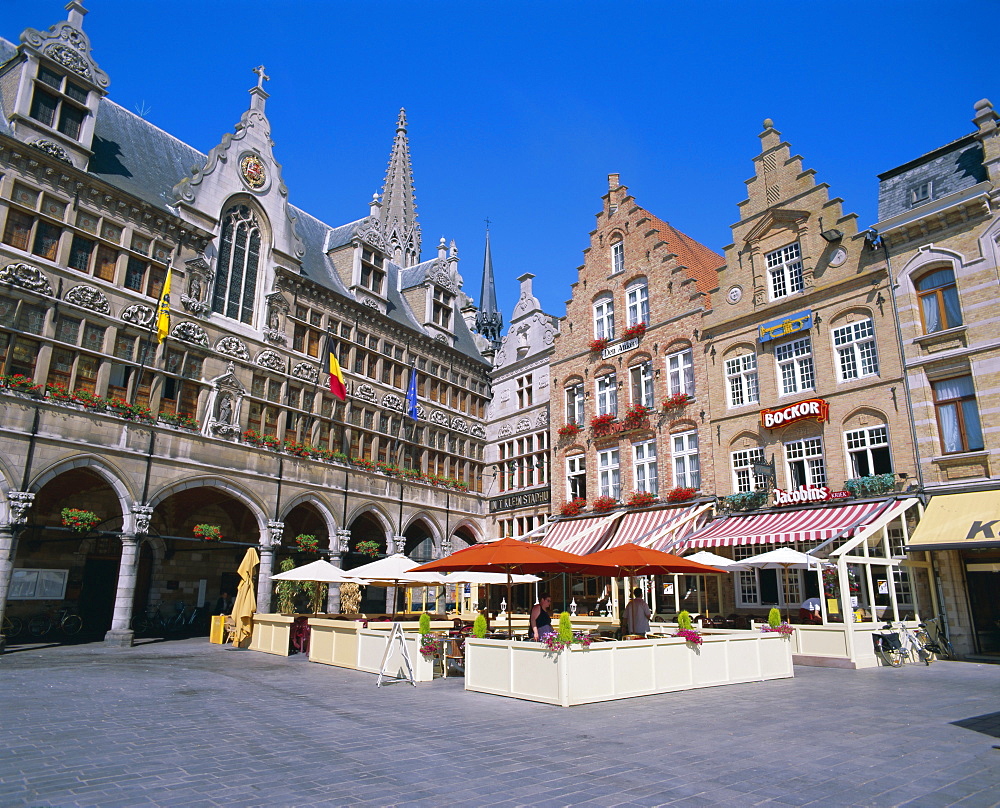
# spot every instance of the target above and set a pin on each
(186, 723)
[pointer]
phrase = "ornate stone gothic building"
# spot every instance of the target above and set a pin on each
(229, 421)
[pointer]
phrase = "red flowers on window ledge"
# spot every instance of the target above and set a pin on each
(634, 412)
(640, 499)
(681, 494)
(602, 504)
(207, 532)
(676, 401)
(598, 344)
(634, 331)
(600, 423)
(573, 507)
(568, 430)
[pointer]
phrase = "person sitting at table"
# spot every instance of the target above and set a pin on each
(811, 611)
(540, 620)
(637, 614)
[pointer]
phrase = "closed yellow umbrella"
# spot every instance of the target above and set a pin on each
(246, 601)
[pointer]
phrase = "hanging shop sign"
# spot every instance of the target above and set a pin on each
(807, 493)
(620, 347)
(540, 496)
(817, 408)
(791, 324)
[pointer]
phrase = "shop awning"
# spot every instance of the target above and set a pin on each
(658, 528)
(579, 535)
(783, 527)
(959, 521)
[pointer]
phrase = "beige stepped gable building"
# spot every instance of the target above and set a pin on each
(940, 231)
(96, 206)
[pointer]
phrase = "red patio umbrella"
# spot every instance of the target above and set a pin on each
(514, 557)
(631, 559)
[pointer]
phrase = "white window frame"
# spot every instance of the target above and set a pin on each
(742, 387)
(687, 465)
(784, 271)
(861, 442)
(641, 383)
(607, 394)
(680, 372)
(796, 370)
(525, 391)
(856, 351)
(617, 257)
(807, 453)
(604, 318)
(576, 470)
(575, 399)
(609, 472)
(644, 463)
(637, 303)
(742, 462)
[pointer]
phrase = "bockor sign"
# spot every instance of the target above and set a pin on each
(817, 408)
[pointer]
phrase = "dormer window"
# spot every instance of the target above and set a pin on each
(441, 308)
(372, 271)
(920, 193)
(617, 257)
(56, 103)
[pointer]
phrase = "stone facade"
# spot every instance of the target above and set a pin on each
(229, 420)
(940, 231)
(642, 295)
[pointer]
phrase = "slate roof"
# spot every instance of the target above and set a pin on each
(136, 156)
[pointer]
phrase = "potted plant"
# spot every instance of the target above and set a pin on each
(600, 424)
(21, 384)
(208, 532)
(479, 627)
(424, 624)
(287, 590)
(635, 412)
(872, 486)
(775, 625)
(59, 393)
(573, 507)
(362, 463)
(598, 345)
(569, 429)
(564, 636)
(368, 547)
(641, 499)
(79, 520)
(181, 420)
(685, 629)
(603, 503)
(676, 401)
(681, 494)
(307, 543)
(634, 331)
(745, 501)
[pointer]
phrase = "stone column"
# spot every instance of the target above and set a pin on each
(339, 547)
(274, 532)
(19, 503)
(120, 635)
(391, 592)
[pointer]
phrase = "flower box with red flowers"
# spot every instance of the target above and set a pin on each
(79, 520)
(602, 504)
(362, 463)
(641, 499)
(368, 547)
(676, 401)
(597, 345)
(573, 507)
(207, 532)
(634, 331)
(600, 424)
(307, 543)
(568, 430)
(635, 412)
(681, 494)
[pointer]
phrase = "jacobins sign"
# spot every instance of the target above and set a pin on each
(807, 493)
(817, 408)
(540, 496)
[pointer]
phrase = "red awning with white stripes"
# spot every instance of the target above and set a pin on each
(640, 527)
(783, 527)
(579, 535)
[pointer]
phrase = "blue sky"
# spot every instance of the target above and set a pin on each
(519, 111)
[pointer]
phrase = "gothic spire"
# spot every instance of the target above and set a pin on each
(489, 321)
(399, 210)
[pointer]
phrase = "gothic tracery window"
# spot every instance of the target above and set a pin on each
(239, 262)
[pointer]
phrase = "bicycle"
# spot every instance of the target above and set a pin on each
(12, 627)
(888, 648)
(913, 645)
(151, 621)
(938, 643)
(65, 620)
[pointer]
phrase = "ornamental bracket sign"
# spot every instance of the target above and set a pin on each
(817, 408)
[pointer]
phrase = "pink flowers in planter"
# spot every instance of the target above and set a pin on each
(690, 635)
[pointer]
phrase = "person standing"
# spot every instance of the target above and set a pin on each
(540, 619)
(637, 614)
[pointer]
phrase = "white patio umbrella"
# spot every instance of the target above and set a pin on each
(321, 571)
(784, 558)
(394, 571)
(717, 561)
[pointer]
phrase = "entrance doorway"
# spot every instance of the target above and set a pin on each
(97, 595)
(983, 578)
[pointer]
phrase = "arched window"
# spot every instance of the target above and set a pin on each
(604, 317)
(239, 261)
(637, 303)
(939, 301)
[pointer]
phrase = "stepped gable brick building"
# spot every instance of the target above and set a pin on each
(940, 232)
(804, 369)
(229, 422)
(630, 341)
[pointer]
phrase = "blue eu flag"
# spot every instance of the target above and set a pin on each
(411, 395)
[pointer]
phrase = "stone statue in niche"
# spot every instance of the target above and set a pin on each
(194, 288)
(225, 413)
(273, 320)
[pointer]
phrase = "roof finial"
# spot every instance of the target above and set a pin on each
(261, 76)
(401, 120)
(258, 92)
(489, 321)
(400, 229)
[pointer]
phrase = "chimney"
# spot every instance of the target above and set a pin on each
(613, 182)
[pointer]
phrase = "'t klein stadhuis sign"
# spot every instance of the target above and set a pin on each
(817, 408)
(540, 496)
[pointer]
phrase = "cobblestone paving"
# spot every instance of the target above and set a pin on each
(186, 723)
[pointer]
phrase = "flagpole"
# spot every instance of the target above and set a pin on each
(162, 313)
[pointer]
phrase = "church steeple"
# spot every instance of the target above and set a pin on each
(399, 210)
(489, 321)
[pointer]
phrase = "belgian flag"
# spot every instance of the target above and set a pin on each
(337, 386)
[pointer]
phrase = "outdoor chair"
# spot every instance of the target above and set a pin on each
(228, 629)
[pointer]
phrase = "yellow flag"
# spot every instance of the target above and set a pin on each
(163, 311)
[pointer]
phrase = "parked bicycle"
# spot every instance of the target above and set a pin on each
(937, 638)
(12, 627)
(151, 621)
(914, 646)
(64, 619)
(888, 648)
